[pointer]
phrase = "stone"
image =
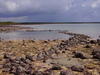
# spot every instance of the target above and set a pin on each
(1, 66)
(37, 73)
(22, 60)
(55, 67)
(20, 69)
(87, 46)
(93, 41)
(79, 55)
(66, 72)
(6, 56)
(63, 52)
(96, 54)
(76, 68)
(98, 41)
(29, 57)
(29, 72)
(87, 73)
(13, 69)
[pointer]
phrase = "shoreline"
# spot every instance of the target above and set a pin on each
(78, 55)
(11, 28)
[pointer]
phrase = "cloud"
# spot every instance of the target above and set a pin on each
(32, 5)
(50, 10)
(95, 3)
(14, 18)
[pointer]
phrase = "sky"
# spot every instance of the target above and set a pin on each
(50, 10)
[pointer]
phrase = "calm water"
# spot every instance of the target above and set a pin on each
(92, 30)
(35, 35)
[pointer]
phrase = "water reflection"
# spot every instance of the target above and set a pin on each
(92, 30)
(37, 35)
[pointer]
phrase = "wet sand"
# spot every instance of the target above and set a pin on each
(79, 55)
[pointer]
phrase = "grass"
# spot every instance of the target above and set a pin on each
(7, 23)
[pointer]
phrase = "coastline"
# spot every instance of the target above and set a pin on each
(77, 55)
(12, 28)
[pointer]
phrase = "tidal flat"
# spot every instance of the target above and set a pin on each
(77, 55)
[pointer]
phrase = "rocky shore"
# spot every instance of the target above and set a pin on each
(79, 55)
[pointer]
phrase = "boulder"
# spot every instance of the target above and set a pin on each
(96, 54)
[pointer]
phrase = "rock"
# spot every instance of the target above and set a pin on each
(51, 51)
(19, 70)
(13, 69)
(27, 61)
(66, 73)
(87, 73)
(63, 52)
(29, 57)
(18, 66)
(90, 66)
(6, 70)
(96, 54)
(7, 65)
(41, 56)
(76, 68)
(22, 59)
(6, 56)
(48, 72)
(22, 64)
(29, 71)
(79, 55)
(55, 67)
(98, 41)
(38, 73)
(1, 66)
(45, 41)
(87, 46)
(93, 41)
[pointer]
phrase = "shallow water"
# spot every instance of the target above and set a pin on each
(92, 30)
(33, 35)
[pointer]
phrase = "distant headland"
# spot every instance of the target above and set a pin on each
(14, 23)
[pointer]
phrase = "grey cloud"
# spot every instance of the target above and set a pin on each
(50, 10)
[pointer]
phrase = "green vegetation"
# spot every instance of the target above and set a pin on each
(7, 23)
(13, 23)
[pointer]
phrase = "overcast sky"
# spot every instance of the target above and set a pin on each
(50, 10)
